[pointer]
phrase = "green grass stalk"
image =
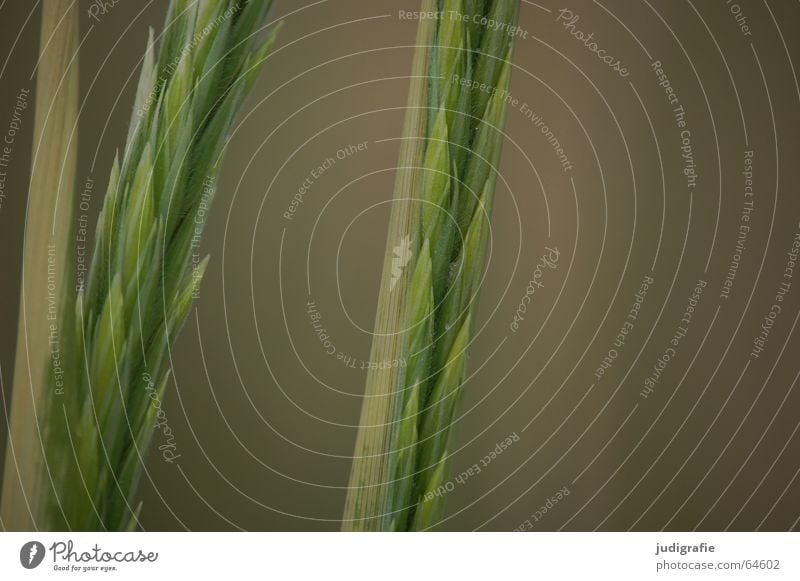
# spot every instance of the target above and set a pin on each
(44, 271)
(469, 71)
(115, 331)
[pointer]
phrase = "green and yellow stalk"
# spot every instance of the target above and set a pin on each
(114, 329)
(48, 221)
(443, 201)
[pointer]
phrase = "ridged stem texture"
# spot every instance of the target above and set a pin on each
(115, 327)
(469, 70)
(48, 221)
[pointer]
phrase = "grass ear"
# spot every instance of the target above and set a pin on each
(142, 280)
(402, 448)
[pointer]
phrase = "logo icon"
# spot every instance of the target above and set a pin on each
(401, 258)
(31, 554)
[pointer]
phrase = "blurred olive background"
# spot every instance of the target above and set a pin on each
(265, 417)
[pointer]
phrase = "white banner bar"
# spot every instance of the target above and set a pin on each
(356, 556)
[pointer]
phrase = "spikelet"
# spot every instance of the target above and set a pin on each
(453, 194)
(142, 280)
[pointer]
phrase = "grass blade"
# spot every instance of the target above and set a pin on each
(47, 229)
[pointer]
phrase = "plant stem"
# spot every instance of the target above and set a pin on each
(103, 394)
(402, 452)
(368, 486)
(47, 227)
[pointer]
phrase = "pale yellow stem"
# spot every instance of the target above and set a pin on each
(368, 478)
(47, 229)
